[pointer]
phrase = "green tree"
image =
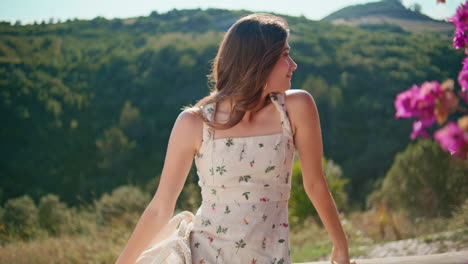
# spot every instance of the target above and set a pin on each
(300, 206)
(124, 200)
(416, 7)
(425, 181)
(114, 147)
(53, 214)
(21, 217)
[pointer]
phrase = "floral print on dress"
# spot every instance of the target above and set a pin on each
(245, 191)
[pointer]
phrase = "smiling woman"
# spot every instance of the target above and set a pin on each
(243, 137)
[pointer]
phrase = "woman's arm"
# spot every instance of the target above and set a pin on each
(179, 156)
(308, 141)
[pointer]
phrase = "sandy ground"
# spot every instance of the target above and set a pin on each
(431, 244)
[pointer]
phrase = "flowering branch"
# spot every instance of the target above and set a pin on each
(433, 102)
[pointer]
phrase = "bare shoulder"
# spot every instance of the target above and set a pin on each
(190, 116)
(300, 104)
(297, 96)
(190, 124)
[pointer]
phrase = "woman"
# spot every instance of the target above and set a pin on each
(243, 141)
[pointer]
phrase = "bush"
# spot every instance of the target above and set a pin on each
(425, 181)
(190, 197)
(459, 218)
(300, 206)
(2, 212)
(2, 224)
(83, 221)
(53, 214)
(20, 217)
(123, 200)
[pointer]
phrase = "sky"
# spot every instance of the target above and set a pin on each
(28, 11)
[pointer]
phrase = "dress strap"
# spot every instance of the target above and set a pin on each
(207, 111)
(278, 99)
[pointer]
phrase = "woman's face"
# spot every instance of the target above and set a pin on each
(280, 77)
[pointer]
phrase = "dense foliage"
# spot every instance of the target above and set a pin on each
(300, 207)
(425, 181)
(89, 105)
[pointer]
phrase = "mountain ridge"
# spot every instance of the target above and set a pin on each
(387, 12)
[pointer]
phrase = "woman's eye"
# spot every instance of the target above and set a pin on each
(286, 54)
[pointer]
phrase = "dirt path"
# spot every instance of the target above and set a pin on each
(430, 244)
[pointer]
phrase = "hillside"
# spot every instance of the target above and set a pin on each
(88, 105)
(387, 12)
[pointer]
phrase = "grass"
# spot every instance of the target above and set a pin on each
(95, 243)
(311, 242)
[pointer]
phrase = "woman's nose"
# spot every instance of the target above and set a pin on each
(294, 66)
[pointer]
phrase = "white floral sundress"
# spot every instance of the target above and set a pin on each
(245, 186)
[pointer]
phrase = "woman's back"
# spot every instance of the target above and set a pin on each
(245, 184)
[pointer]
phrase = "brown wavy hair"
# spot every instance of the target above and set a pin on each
(246, 56)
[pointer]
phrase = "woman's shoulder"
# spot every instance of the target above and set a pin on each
(297, 95)
(299, 104)
(191, 124)
(193, 117)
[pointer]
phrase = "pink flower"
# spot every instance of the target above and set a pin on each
(264, 199)
(429, 91)
(424, 102)
(419, 102)
(463, 79)
(464, 95)
(460, 18)
(465, 63)
(460, 39)
(404, 102)
(453, 139)
(418, 130)
(211, 239)
(284, 224)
